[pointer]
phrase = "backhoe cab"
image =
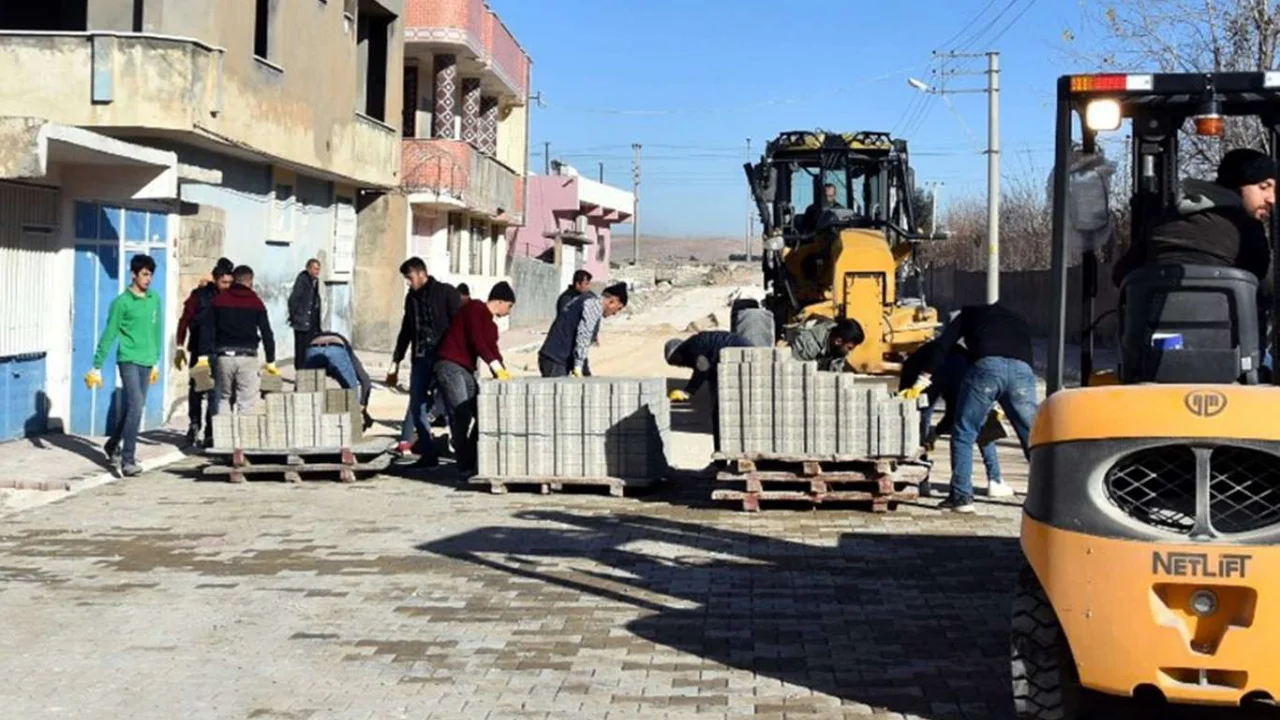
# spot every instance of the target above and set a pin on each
(839, 234)
(1152, 517)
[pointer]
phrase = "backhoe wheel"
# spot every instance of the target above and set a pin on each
(1046, 685)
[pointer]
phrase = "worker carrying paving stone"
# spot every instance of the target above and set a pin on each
(471, 337)
(565, 350)
(235, 325)
(332, 352)
(201, 404)
(701, 352)
(429, 308)
(999, 343)
(826, 341)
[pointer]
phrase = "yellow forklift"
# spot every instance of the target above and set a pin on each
(1152, 516)
(840, 235)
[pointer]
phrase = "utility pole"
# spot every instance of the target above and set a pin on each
(546, 158)
(993, 177)
(933, 206)
(601, 173)
(746, 238)
(992, 92)
(635, 211)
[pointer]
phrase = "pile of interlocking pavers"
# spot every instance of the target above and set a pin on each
(309, 417)
(572, 431)
(792, 432)
(775, 405)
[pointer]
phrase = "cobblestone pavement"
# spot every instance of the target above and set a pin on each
(162, 597)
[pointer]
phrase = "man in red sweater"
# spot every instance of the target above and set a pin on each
(472, 336)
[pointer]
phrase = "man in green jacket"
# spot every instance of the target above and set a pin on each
(134, 319)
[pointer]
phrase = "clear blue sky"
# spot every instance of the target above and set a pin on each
(692, 80)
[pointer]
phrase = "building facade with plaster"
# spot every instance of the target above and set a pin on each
(466, 139)
(570, 221)
(266, 131)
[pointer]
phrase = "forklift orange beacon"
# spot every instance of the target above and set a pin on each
(1152, 517)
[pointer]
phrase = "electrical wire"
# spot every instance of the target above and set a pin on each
(969, 24)
(973, 39)
(1012, 22)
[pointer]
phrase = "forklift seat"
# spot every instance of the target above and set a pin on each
(1189, 324)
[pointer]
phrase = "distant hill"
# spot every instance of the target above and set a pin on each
(660, 247)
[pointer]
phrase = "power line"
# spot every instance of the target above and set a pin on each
(969, 24)
(1012, 22)
(973, 39)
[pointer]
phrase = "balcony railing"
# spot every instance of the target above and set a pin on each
(454, 172)
(476, 28)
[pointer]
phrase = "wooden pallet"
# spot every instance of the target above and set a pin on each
(548, 484)
(368, 457)
(879, 483)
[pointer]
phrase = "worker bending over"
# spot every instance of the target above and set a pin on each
(999, 343)
(701, 352)
(946, 387)
(472, 336)
(1218, 223)
(564, 352)
(827, 341)
(331, 352)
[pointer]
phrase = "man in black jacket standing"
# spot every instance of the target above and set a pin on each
(429, 307)
(304, 308)
(581, 284)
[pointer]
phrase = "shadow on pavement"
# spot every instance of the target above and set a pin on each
(915, 624)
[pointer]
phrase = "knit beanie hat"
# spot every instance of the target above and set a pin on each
(1244, 166)
(669, 350)
(502, 292)
(618, 290)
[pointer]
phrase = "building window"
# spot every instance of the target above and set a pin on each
(283, 204)
(479, 238)
(455, 243)
(409, 124)
(49, 15)
(373, 39)
(344, 236)
(263, 15)
(495, 261)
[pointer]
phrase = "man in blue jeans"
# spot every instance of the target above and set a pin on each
(999, 343)
(331, 352)
(134, 319)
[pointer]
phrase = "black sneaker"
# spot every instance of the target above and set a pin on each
(112, 450)
(193, 436)
(963, 506)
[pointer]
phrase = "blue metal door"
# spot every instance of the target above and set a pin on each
(107, 238)
(24, 406)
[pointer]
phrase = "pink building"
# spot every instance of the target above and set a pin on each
(568, 222)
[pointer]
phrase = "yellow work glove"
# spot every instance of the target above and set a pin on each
(271, 369)
(916, 390)
(179, 359)
(93, 379)
(502, 374)
(577, 372)
(155, 375)
(678, 396)
(999, 413)
(202, 361)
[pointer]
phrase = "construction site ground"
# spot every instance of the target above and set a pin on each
(414, 596)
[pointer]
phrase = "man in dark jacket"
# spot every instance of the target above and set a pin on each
(564, 351)
(429, 308)
(999, 343)
(581, 284)
(304, 308)
(472, 338)
(1218, 223)
(332, 352)
(701, 352)
(194, 309)
(236, 323)
(827, 342)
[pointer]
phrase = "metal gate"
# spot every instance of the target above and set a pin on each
(28, 221)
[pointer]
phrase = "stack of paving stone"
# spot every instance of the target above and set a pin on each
(773, 405)
(567, 428)
(310, 417)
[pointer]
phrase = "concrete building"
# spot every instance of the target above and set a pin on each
(260, 130)
(466, 143)
(570, 222)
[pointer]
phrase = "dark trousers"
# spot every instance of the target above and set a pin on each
(460, 390)
(549, 368)
(421, 398)
(134, 381)
(713, 386)
(301, 339)
(200, 408)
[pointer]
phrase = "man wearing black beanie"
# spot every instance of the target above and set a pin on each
(1218, 223)
(564, 352)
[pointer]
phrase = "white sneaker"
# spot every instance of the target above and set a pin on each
(999, 490)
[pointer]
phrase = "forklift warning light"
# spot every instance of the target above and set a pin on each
(1109, 83)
